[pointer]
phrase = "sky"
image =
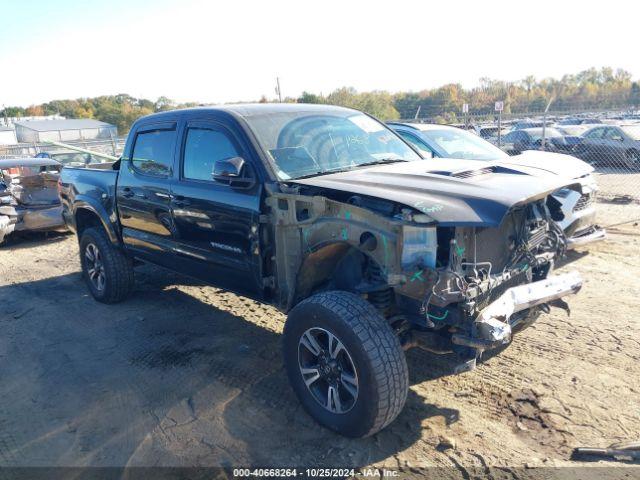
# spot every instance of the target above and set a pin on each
(225, 51)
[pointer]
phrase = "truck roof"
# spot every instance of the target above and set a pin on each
(423, 126)
(250, 109)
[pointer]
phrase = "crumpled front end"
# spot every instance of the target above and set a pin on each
(576, 210)
(471, 288)
(494, 324)
(444, 286)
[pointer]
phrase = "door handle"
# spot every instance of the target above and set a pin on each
(127, 193)
(180, 201)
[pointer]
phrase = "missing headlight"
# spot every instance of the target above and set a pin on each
(419, 246)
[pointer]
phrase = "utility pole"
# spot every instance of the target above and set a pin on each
(499, 106)
(417, 112)
(278, 91)
(465, 110)
(543, 140)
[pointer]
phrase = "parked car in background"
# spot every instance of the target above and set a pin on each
(572, 134)
(572, 130)
(69, 158)
(577, 204)
(517, 141)
(29, 196)
(579, 121)
(612, 145)
(522, 124)
(490, 133)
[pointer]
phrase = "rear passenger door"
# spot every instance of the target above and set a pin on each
(216, 225)
(143, 191)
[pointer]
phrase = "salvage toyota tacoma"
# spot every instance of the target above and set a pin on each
(330, 216)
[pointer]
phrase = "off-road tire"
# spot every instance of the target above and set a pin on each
(377, 356)
(118, 268)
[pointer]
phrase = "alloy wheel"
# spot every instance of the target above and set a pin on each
(95, 266)
(328, 370)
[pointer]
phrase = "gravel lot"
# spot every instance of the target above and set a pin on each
(184, 374)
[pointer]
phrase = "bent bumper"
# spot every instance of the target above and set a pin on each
(586, 236)
(493, 328)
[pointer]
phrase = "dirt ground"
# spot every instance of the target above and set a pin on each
(183, 374)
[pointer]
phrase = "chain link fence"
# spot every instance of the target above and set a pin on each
(112, 146)
(608, 140)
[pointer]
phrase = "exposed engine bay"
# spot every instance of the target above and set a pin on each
(446, 288)
(472, 273)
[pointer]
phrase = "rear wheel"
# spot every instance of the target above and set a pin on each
(345, 363)
(107, 271)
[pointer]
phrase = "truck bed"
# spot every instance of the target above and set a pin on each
(93, 186)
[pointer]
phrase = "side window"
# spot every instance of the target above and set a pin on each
(510, 137)
(416, 142)
(153, 152)
(594, 134)
(202, 148)
(613, 134)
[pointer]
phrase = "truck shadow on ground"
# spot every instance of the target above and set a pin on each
(570, 257)
(164, 378)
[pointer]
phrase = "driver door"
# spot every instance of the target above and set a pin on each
(216, 225)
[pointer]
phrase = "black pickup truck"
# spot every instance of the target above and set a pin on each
(330, 216)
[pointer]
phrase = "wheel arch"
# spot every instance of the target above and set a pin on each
(335, 265)
(87, 215)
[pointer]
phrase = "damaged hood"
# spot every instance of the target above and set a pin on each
(556, 163)
(457, 192)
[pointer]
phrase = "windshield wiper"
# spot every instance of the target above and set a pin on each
(322, 172)
(350, 167)
(380, 161)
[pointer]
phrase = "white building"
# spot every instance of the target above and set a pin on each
(63, 130)
(7, 136)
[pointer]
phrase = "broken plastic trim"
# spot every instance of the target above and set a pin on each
(492, 324)
(596, 234)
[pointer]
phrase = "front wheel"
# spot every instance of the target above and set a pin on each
(107, 271)
(345, 363)
(632, 159)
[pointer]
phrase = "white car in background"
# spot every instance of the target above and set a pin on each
(577, 204)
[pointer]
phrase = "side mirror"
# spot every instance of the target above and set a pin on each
(229, 171)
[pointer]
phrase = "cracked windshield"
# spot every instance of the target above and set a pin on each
(303, 144)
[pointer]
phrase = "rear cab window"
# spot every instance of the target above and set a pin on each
(153, 151)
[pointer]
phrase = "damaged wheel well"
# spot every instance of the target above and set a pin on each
(338, 266)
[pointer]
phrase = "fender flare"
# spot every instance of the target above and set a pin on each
(83, 202)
